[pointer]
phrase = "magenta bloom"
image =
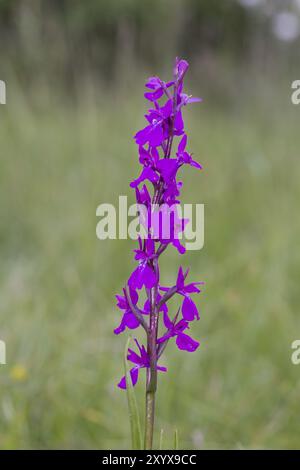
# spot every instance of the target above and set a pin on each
(183, 341)
(189, 309)
(157, 86)
(141, 361)
(146, 174)
(162, 152)
(185, 157)
(143, 275)
(128, 320)
(155, 132)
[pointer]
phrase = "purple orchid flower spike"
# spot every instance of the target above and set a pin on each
(157, 192)
(141, 361)
(183, 341)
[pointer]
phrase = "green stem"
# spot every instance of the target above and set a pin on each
(151, 384)
(149, 419)
(151, 381)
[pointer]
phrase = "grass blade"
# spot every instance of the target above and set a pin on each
(134, 418)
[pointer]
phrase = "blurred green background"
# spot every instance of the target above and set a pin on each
(75, 73)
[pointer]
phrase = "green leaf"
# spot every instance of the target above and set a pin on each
(134, 419)
(161, 439)
(176, 439)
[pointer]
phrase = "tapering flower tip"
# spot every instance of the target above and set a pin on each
(180, 68)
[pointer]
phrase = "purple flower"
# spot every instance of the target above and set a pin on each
(128, 320)
(172, 192)
(141, 361)
(178, 124)
(143, 274)
(185, 157)
(155, 132)
(142, 196)
(168, 226)
(183, 341)
(148, 157)
(158, 87)
(168, 167)
(189, 309)
(147, 174)
(188, 99)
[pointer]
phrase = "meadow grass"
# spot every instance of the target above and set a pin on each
(58, 389)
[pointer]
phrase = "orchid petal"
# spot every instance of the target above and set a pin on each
(134, 373)
(182, 144)
(180, 279)
(167, 322)
(186, 343)
(161, 368)
(147, 174)
(189, 309)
